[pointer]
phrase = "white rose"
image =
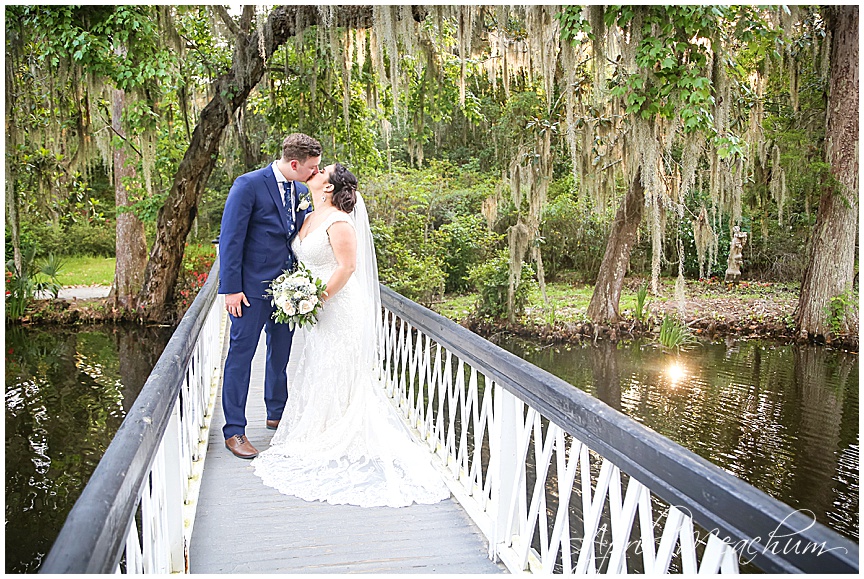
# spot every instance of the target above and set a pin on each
(313, 299)
(280, 301)
(310, 287)
(304, 205)
(288, 308)
(306, 306)
(298, 294)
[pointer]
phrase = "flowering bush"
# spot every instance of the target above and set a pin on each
(197, 261)
(297, 297)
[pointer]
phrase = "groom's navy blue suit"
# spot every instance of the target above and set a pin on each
(254, 248)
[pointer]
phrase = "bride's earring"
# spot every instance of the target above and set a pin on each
(323, 197)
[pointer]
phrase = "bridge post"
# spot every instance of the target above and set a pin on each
(503, 467)
(174, 485)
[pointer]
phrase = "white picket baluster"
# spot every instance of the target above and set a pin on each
(495, 494)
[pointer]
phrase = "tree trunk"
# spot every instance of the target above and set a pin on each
(610, 280)
(131, 243)
(231, 91)
(250, 156)
(11, 193)
(830, 269)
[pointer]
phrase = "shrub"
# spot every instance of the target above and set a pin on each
(77, 238)
(23, 284)
(88, 239)
(491, 280)
(197, 262)
(673, 333)
(462, 244)
(41, 238)
(840, 309)
(575, 238)
(419, 278)
(407, 264)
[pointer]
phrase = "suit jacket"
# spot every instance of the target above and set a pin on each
(256, 233)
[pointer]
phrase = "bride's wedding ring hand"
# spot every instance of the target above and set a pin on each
(232, 304)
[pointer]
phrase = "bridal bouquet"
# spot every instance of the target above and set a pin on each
(297, 297)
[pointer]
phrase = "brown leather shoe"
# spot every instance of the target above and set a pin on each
(240, 446)
(272, 424)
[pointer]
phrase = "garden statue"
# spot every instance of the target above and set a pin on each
(736, 257)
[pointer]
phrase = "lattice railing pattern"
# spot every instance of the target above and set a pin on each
(545, 500)
(160, 533)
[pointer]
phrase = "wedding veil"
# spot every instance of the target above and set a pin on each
(366, 273)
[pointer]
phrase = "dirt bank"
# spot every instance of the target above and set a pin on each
(711, 311)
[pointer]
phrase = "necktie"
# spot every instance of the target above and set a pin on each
(288, 204)
(287, 198)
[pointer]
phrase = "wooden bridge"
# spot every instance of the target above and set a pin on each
(243, 526)
(544, 478)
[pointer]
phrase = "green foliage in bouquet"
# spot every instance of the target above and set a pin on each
(297, 297)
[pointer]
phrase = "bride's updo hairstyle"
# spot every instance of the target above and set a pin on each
(344, 188)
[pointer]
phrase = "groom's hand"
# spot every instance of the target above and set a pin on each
(232, 304)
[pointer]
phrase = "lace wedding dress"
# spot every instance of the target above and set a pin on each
(340, 439)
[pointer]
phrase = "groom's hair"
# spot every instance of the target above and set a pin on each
(344, 188)
(301, 147)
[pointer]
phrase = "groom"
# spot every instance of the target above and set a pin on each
(262, 215)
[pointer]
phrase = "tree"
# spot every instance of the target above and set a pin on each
(610, 280)
(830, 270)
(90, 56)
(663, 79)
(676, 105)
(11, 194)
(230, 92)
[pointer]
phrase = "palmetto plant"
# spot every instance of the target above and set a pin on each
(674, 333)
(24, 283)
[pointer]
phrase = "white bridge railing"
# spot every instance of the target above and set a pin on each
(137, 511)
(560, 482)
(555, 479)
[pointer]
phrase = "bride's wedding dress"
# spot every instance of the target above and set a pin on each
(340, 439)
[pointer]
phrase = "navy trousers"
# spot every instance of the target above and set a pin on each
(245, 333)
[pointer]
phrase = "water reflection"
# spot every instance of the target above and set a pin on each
(67, 392)
(783, 418)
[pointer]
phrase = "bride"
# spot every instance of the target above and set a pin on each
(340, 440)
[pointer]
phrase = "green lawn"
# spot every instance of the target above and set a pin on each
(569, 302)
(87, 271)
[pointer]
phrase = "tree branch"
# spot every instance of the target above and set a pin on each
(226, 19)
(125, 140)
(246, 18)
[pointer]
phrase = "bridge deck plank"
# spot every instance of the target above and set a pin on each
(243, 526)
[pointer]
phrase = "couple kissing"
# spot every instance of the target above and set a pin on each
(338, 439)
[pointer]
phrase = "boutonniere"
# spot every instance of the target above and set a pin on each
(304, 202)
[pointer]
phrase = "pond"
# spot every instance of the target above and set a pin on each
(67, 391)
(784, 418)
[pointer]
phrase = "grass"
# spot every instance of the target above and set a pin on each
(570, 301)
(456, 307)
(81, 270)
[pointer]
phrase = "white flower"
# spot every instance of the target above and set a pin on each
(306, 306)
(310, 287)
(299, 295)
(280, 301)
(288, 308)
(313, 299)
(304, 205)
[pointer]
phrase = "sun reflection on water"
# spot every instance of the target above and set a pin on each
(675, 372)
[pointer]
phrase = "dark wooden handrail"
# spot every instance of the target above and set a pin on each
(92, 539)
